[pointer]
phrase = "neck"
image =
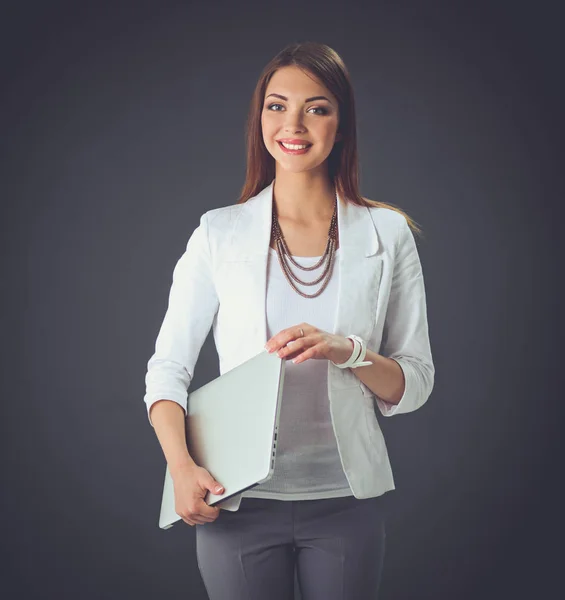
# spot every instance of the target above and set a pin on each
(301, 198)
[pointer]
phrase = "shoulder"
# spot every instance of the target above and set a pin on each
(220, 219)
(385, 215)
(222, 213)
(218, 224)
(388, 223)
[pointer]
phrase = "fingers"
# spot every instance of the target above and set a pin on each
(292, 333)
(291, 349)
(301, 351)
(203, 514)
(195, 521)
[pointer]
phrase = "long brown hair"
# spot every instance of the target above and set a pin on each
(325, 64)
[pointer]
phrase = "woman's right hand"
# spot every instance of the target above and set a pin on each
(191, 485)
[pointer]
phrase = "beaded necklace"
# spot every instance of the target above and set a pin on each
(283, 253)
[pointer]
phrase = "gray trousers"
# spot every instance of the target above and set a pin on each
(336, 545)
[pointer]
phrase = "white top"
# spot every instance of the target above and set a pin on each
(307, 464)
(220, 282)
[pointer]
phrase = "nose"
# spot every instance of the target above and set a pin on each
(293, 129)
(293, 122)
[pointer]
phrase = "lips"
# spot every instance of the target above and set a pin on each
(289, 151)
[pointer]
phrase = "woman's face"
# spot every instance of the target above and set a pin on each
(315, 121)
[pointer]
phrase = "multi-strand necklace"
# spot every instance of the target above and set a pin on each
(328, 256)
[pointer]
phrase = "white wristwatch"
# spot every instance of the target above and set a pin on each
(357, 358)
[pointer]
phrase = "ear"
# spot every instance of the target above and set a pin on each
(338, 137)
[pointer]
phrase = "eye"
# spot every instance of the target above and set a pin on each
(324, 111)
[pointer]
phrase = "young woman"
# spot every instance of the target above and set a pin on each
(333, 283)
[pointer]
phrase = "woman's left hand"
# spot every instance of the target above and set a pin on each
(315, 343)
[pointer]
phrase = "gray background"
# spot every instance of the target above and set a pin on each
(121, 123)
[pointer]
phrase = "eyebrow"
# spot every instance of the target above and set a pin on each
(307, 99)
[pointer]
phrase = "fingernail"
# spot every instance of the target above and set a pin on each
(219, 489)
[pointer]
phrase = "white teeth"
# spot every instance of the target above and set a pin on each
(294, 147)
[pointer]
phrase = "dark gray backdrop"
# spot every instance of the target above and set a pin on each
(121, 123)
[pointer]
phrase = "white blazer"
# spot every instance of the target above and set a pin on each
(220, 282)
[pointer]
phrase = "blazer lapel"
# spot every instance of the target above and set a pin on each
(358, 266)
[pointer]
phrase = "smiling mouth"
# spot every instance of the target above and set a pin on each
(300, 149)
(294, 143)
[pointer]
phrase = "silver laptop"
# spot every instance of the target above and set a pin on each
(231, 430)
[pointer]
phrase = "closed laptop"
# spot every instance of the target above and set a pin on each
(231, 430)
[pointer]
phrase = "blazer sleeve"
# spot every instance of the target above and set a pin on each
(192, 305)
(405, 333)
